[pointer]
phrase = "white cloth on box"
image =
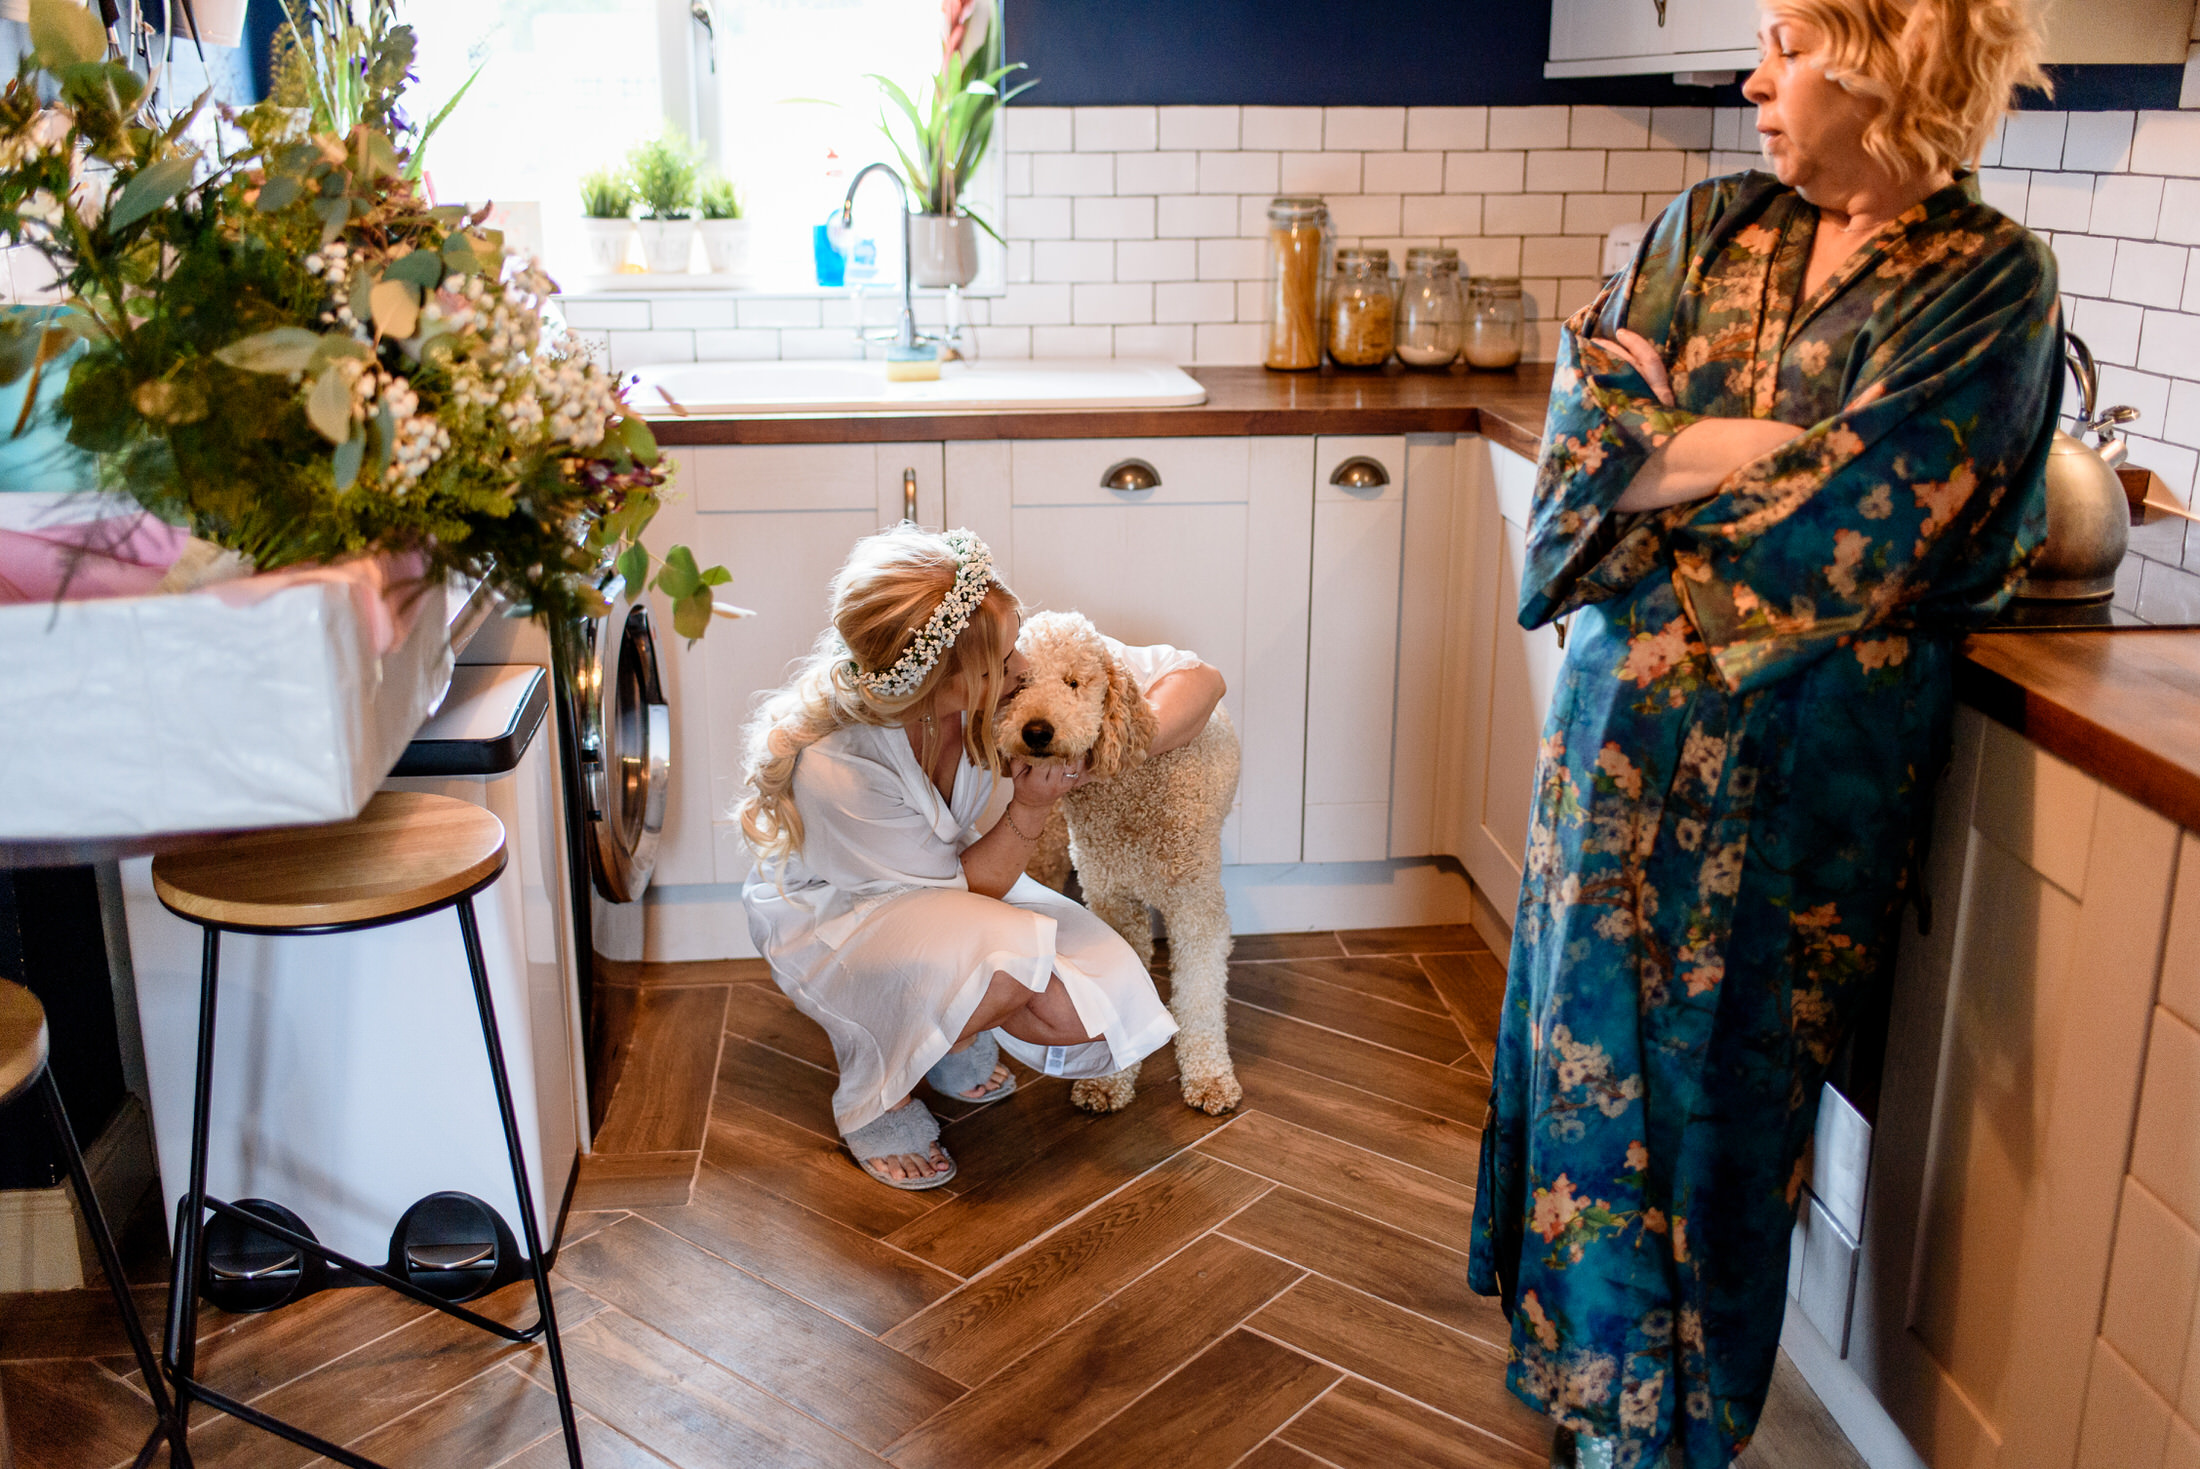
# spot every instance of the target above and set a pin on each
(873, 932)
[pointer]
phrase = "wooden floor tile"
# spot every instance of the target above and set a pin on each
(994, 1219)
(1418, 1202)
(762, 1014)
(1473, 986)
(815, 1172)
(690, 1410)
(74, 1323)
(1001, 1137)
(68, 1414)
(1276, 1454)
(774, 1082)
(601, 1448)
(1216, 1407)
(1359, 1426)
(620, 1181)
(663, 1094)
(1439, 938)
(970, 1334)
(1077, 1379)
(247, 1355)
(1420, 1084)
(685, 973)
(833, 1267)
(1320, 943)
(1281, 989)
(1397, 978)
(1796, 1431)
(1455, 1373)
(831, 1371)
(1424, 1278)
(484, 1421)
(1434, 1144)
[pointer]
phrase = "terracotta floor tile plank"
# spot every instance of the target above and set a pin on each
(663, 1093)
(621, 1181)
(1215, 1408)
(1320, 943)
(484, 1421)
(831, 1371)
(1455, 1373)
(1360, 1426)
(835, 1268)
(763, 1014)
(1077, 1379)
(1435, 938)
(65, 1414)
(1282, 990)
(1425, 1085)
(1473, 987)
(770, 1081)
(815, 1172)
(996, 1218)
(971, 1333)
(1397, 978)
(1434, 1144)
(1422, 1203)
(1423, 1278)
(601, 1448)
(689, 1409)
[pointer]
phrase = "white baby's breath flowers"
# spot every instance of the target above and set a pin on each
(973, 579)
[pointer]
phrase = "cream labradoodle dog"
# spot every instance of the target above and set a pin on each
(1141, 831)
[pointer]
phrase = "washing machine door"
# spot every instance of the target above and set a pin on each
(625, 746)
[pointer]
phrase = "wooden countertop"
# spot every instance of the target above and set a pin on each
(1506, 406)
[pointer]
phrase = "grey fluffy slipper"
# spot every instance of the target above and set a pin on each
(959, 1071)
(910, 1128)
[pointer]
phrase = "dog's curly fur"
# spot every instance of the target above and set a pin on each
(1141, 831)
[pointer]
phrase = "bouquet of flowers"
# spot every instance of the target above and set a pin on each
(290, 352)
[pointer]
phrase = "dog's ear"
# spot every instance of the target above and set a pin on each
(1127, 724)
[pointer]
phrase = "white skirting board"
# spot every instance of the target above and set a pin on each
(1870, 1431)
(43, 1242)
(705, 921)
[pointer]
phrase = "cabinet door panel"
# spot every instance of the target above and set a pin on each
(1352, 654)
(1142, 573)
(1588, 30)
(758, 477)
(1069, 471)
(1713, 25)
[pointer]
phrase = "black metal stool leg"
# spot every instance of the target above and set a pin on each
(110, 1262)
(533, 1233)
(183, 1293)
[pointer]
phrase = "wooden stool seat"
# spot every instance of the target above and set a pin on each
(22, 1040)
(404, 853)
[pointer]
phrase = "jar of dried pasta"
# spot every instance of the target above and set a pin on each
(1363, 311)
(1298, 260)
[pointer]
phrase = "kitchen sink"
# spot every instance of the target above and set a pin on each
(726, 388)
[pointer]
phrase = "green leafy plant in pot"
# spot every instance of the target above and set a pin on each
(665, 171)
(947, 137)
(607, 204)
(725, 232)
(286, 350)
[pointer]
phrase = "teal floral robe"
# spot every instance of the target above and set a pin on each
(1736, 769)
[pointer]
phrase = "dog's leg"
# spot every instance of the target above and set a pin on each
(1123, 911)
(1198, 924)
(1106, 1093)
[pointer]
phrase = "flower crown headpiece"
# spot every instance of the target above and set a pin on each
(973, 579)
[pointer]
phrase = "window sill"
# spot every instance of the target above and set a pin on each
(649, 283)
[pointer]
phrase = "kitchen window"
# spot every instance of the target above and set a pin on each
(774, 92)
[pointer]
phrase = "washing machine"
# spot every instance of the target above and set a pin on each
(351, 1090)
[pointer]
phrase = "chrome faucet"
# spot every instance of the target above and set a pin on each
(905, 331)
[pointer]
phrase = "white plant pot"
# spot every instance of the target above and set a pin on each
(608, 242)
(667, 244)
(726, 242)
(943, 249)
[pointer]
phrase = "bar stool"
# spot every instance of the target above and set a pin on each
(23, 1052)
(404, 856)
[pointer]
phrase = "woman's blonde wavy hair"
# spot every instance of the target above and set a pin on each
(1943, 72)
(891, 585)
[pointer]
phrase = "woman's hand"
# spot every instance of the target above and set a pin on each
(1038, 787)
(1696, 461)
(1636, 349)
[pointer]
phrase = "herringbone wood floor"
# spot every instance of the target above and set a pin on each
(1282, 1288)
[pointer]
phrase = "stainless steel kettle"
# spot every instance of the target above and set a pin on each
(2088, 517)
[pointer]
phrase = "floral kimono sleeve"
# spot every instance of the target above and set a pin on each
(1917, 505)
(1604, 423)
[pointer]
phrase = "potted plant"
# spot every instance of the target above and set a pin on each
(664, 170)
(607, 199)
(950, 135)
(725, 232)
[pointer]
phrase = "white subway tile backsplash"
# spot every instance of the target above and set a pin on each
(2167, 143)
(798, 311)
(693, 313)
(2169, 343)
(1191, 216)
(1038, 219)
(1073, 174)
(1200, 301)
(1363, 216)
(1252, 299)
(1680, 128)
(2060, 201)
(1403, 173)
(1488, 256)
(1234, 343)
(2085, 265)
(1441, 128)
(1169, 343)
(1320, 173)
(2168, 594)
(1114, 219)
(1529, 127)
(1566, 255)
(1485, 173)
(1232, 260)
(1037, 129)
(1116, 129)
(1565, 171)
(2099, 142)
(2006, 189)
(1072, 260)
(823, 343)
(1726, 128)
(2192, 281)
(1523, 214)
(2033, 140)
(1648, 171)
(2141, 390)
(1073, 341)
(1019, 261)
(2180, 224)
(1238, 173)
(2126, 204)
(1596, 214)
(1441, 214)
(736, 346)
(1198, 128)
(1157, 173)
(1016, 173)
(625, 316)
(1111, 305)
(2110, 328)
(1156, 260)
(1278, 128)
(1610, 127)
(1363, 128)
(2181, 423)
(1042, 304)
(2149, 274)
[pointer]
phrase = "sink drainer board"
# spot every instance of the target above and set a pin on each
(718, 389)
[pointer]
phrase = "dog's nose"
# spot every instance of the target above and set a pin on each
(1038, 734)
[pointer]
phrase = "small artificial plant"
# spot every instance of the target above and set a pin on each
(718, 200)
(607, 193)
(953, 127)
(293, 355)
(664, 170)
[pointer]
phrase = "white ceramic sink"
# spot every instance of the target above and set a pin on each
(723, 388)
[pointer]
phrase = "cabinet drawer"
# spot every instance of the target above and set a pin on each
(1070, 471)
(785, 477)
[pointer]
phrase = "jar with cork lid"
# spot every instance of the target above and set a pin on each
(1496, 322)
(1295, 270)
(1431, 312)
(1363, 312)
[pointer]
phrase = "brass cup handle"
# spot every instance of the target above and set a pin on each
(1360, 473)
(1128, 476)
(909, 496)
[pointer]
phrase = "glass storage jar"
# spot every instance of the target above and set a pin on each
(1495, 321)
(1297, 262)
(1431, 313)
(1362, 308)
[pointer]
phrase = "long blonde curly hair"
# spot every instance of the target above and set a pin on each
(1943, 72)
(882, 597)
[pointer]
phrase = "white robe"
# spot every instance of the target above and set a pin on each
(873, 932)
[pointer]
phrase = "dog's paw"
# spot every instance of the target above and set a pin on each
(1213, 1095)
(1104, 1093)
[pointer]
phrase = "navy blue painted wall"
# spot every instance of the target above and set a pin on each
(1375, 53)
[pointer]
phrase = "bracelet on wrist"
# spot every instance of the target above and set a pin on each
(1009, 815)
